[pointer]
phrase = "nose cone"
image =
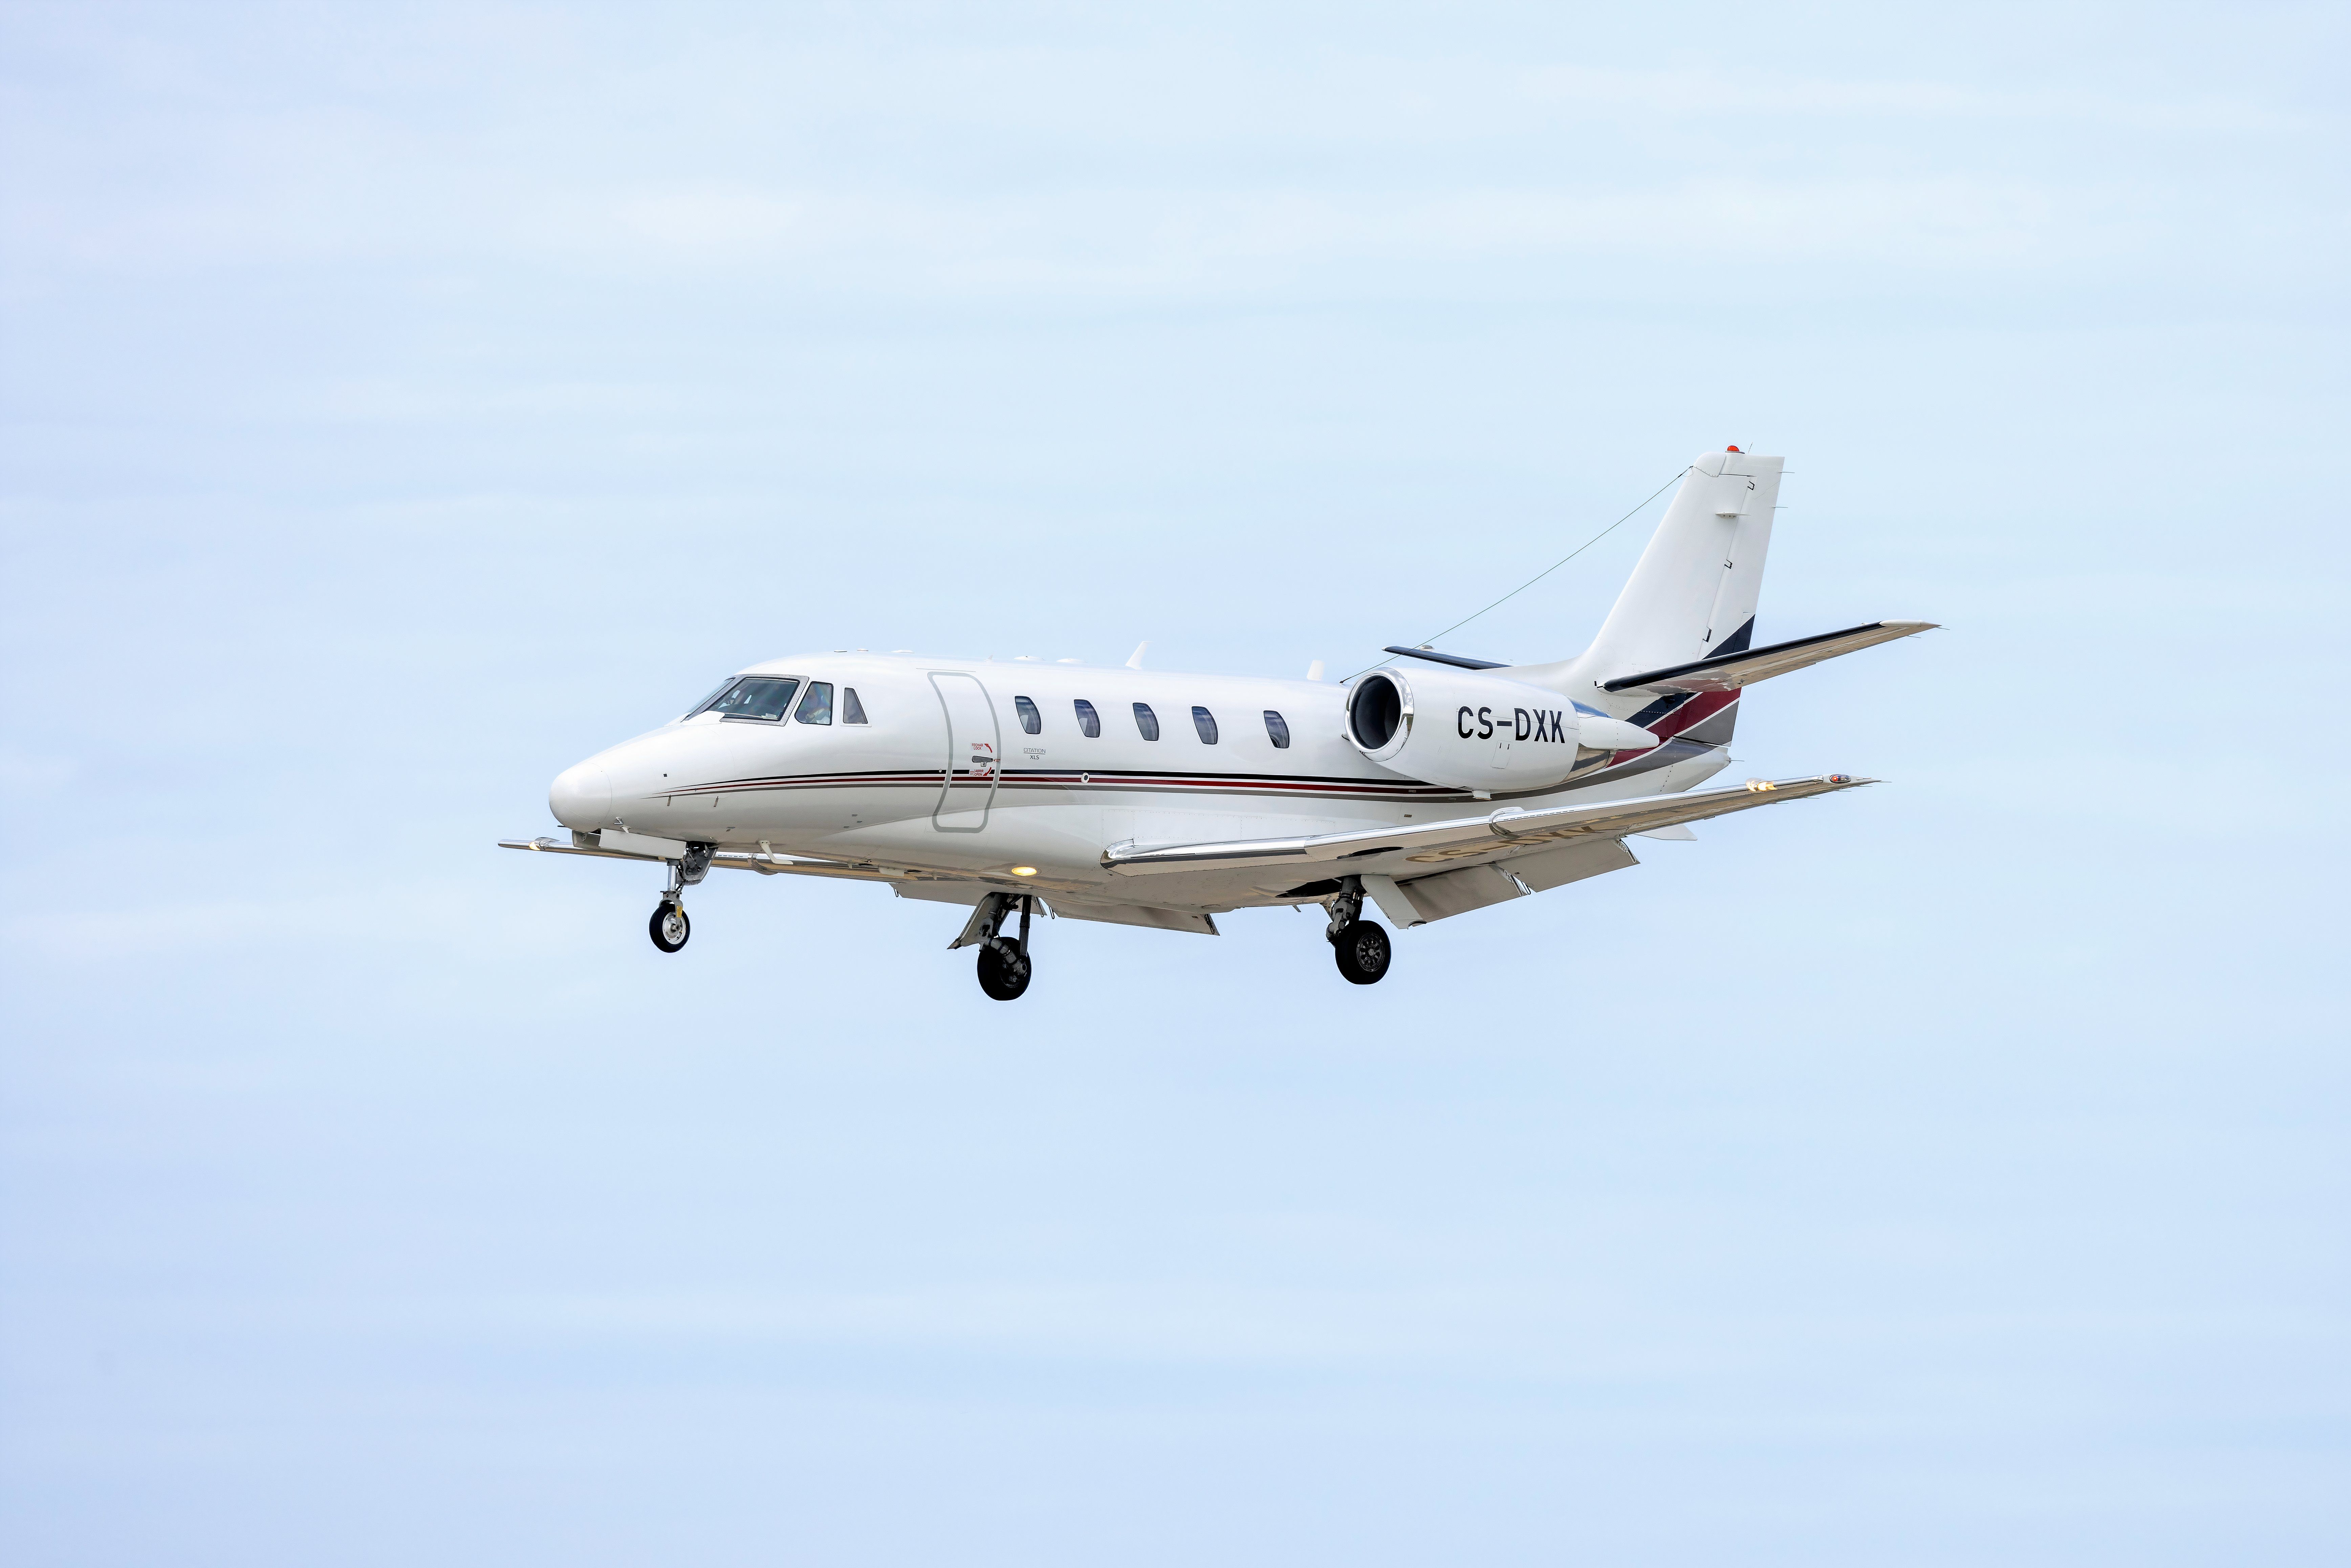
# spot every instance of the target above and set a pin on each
(581, 798)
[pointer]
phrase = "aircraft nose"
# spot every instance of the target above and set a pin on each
(581, 797)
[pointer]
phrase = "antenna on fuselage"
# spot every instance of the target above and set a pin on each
(1134, 661)
(1315, 670)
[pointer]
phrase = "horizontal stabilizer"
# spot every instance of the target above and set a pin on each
(1506, 832)
(1729, 672)
(1459, 661)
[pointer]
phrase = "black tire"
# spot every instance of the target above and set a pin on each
(1361, 950)
(669, 928)
(1004, 970)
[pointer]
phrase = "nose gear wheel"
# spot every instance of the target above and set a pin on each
(1004, 962)
(1004, 969)
(669, 928)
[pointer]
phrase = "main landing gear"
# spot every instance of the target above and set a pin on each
(1360, 946)
(1004, 962)
(669, 928)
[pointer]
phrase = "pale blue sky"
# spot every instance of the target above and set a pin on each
(402, 401)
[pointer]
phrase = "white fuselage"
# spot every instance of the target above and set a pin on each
(945, 774)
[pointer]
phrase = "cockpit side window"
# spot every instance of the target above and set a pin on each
(763, 697)
(851, 710)
(1031, 720)
(1088, 721)
(817, 706)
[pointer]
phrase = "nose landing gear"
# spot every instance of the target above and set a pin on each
(1360, 946)
(669, 928)
(1004, 962)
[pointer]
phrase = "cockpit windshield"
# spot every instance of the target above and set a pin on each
(764, 697)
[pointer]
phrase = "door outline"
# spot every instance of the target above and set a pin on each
(965, 759)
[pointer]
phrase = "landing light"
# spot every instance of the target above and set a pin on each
(1024, 871)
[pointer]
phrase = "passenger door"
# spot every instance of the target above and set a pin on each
(975, 754)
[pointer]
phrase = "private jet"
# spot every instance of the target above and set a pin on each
(1428, 786)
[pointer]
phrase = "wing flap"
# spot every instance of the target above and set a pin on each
(1729, 672)
(1143, 914)
(1507, 830)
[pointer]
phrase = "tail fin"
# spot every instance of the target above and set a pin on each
(1693, 594)
(1679, 646)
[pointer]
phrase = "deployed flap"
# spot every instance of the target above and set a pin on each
(1452, 893)
(1729, 672)
(942, 892)
(1393, 902)
(1504, 830)
(1557, 867)
(1134, 915)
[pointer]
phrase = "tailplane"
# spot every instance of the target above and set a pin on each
(1679, 644)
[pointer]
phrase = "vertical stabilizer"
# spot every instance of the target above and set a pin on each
(1693, 594)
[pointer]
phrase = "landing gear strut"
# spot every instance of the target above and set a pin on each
(1004, 962)
(1360, 946)
(669, 928)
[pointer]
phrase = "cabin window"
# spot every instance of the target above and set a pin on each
(1088, 721)
(1146, 721)
(1277, 729)
(817, 706)
(1205, 722)
(851, 710)
(763, 697)
(1030, 719)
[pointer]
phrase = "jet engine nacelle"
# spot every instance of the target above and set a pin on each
(1475, 732)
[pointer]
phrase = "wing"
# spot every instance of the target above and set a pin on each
(1729, 672)
(1509, 830)
(938, 887)
(765, 865)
